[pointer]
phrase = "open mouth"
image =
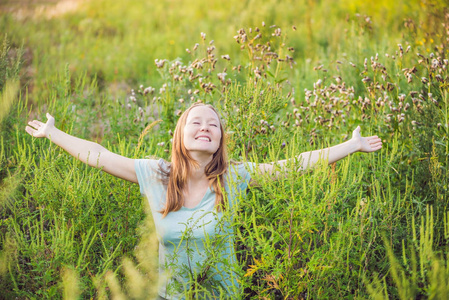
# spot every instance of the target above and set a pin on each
(203, 138)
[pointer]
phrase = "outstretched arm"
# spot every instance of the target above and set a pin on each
(88, 152)
(332, 154)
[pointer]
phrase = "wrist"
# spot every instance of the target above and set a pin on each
(50, 132)
(354, 145)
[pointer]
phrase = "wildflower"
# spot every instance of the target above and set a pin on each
(424, 80)
(222, 76)
(161, 144)
(159, 63)
(277, 32)
(188, 51)
(196, 46)
(148, 90)
(226, 57)
(203, 36)
(294, 28)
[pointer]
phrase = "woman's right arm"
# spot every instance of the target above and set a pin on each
(88, 152)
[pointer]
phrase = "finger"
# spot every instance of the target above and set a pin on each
(373, 138)
(376, 146)
(36, 123)
(30, 130)
(48, 116)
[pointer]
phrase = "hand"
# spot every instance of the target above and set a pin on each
(39, 129)
(366, 144)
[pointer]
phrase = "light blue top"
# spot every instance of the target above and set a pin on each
(194, 240)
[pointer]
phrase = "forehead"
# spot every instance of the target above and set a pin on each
(202, 112)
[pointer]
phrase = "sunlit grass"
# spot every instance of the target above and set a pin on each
(364, 227)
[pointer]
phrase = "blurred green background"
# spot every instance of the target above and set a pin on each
(371, 226)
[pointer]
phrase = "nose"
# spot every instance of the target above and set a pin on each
(204, 127)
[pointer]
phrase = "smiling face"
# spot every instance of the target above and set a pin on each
(202, 132)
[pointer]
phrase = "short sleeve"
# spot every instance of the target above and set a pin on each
(146, 171)
(238, 179)
(244, 171)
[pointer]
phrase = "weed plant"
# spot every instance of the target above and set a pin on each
(371, 226)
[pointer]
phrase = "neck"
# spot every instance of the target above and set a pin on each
(199, 173)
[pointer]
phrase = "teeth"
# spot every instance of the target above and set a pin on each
(203, 139)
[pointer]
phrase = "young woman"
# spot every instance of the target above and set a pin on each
(189, 195)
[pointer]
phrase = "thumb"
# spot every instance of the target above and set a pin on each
(356, 131)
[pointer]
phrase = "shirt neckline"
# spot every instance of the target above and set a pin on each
(199, 203)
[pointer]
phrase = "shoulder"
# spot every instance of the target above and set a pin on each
(151, 166)
(240, 171)
(241, 167)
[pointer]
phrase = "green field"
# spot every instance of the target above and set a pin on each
(288, 77)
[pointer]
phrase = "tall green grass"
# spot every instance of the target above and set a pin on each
(370, 226)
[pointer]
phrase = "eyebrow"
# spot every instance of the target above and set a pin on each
(209, 119)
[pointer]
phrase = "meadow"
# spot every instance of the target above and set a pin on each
(288, 77)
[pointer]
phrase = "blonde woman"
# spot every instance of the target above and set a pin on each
(189, 195)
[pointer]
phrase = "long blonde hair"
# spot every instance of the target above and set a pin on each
(182, 164)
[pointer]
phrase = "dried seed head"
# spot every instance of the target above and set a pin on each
(203, 36)
(294, 28)
(226, 57)
(159, 63)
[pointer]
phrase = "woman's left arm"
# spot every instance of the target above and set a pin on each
(332, 154)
